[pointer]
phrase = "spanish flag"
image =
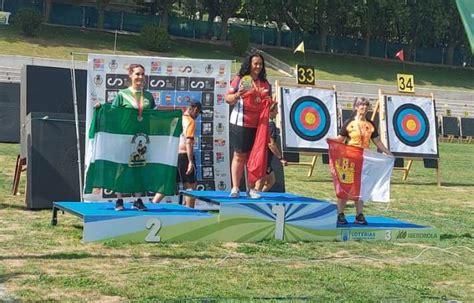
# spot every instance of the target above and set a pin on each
(300, 48)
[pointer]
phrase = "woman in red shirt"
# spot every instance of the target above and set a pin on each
(246, 97)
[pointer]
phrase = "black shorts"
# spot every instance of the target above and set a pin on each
(182, 167)
(242, 138)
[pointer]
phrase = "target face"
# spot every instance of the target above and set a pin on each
(411, 125)
(309, 118)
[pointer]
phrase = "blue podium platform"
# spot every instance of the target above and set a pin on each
(280, 216)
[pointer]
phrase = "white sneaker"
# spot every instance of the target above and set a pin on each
(235, 192)
(253, 194)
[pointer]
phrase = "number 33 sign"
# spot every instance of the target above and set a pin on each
(406, 84)
(305, 74)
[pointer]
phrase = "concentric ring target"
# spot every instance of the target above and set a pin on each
(309, 118)
(411, 125)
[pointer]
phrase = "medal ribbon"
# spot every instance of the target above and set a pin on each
(256, 87)
(140, 105)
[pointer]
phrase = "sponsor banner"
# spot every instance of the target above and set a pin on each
(408, 234)
(173, 82)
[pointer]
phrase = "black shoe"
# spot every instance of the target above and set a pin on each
(138, 205)
(341, 219)
(119, 205)
(360, 219)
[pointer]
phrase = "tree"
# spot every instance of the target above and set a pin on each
(211, 7)
(449, 29)
(326, 14)
(371, 18)
(226, 9)
(164, 8)
(268, 11)
(47, 10)
(191, 7)
(101, 5)
(223, 8)
(413, 21)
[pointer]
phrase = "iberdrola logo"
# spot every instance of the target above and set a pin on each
(139, 144)
(345, 170)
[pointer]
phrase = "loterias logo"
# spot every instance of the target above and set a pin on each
(345, 235)
(362, 235)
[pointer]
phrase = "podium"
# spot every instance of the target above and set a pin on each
(278, 216)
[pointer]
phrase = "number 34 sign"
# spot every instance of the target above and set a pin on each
(406, 83)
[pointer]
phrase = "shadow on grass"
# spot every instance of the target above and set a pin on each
(443, 184)
(14, 206)
(84, 255)
(455, 236)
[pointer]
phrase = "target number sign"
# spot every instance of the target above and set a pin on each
(411, 125)
(406, 83)
(305, 74)
(309, 118)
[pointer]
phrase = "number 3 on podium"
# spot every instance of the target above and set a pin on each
(406, 83)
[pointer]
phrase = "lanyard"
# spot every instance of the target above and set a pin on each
(139, 105)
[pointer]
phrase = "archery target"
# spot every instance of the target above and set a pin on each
(411, 128)
(309, 117)
(411, 125)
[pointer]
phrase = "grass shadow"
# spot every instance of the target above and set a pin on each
(84, 255)
(455, 236)
(14, 206)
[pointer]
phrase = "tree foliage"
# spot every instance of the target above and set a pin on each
(415, 23)
(28, 19)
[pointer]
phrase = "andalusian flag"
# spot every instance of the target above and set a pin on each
(466, 10)
(127, 155)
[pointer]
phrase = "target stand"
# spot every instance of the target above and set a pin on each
(311, 164)
(408, 129)
(20, 167)
(309, 117)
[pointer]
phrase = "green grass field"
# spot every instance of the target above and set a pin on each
(39, 262)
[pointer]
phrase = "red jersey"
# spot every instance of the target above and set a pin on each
(247, 110)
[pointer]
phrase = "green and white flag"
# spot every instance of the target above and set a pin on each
(466, 10)
(126, 155)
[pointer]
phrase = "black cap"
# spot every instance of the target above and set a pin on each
(197, 104)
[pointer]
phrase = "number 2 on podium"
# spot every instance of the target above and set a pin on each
(154, 225)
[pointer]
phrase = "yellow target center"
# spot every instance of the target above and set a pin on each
(411, 125)
(310, 118)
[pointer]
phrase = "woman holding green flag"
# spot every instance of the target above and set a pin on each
(134, 96)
